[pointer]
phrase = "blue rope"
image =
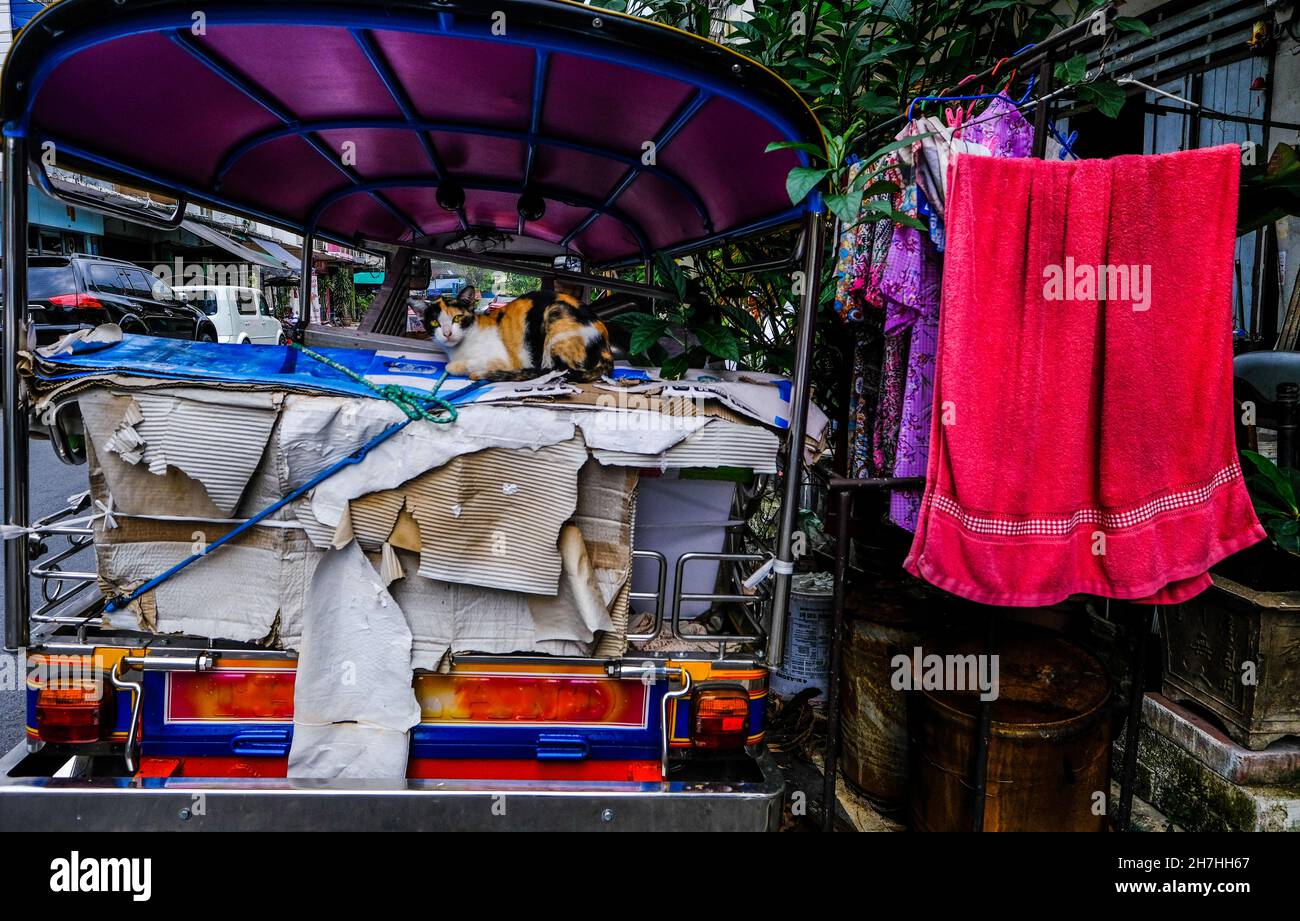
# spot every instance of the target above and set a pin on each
(118, 602)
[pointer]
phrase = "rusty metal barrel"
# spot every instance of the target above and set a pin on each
(873, 714)
(1049, 749)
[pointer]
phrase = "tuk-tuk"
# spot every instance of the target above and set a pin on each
(535, 136)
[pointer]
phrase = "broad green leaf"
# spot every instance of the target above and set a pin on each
(1107, 95)
(634, 320)
(845, 206)
(1073, 70)
(647, 335)
(674, 367)
(1131, 24)
(1271, 477)
(719, 341)
(811, 149)
(802, 180)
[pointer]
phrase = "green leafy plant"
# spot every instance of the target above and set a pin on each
(1273, 491)
(857, 64)
(835, 168)
(1102, 92)
(699, 336)
(1269, 191)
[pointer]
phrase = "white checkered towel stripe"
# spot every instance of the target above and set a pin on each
(1063, 525)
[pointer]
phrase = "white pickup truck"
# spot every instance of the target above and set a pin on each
(241, 315)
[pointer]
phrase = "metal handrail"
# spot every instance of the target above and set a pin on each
(657, 596)
(202, 662)
(679, 596)
(71, 583)
(648, 673)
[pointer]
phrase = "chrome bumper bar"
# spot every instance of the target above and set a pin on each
(45, 803)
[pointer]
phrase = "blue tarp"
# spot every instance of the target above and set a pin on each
(275, 366)
(763, 397)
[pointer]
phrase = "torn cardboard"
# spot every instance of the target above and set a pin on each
(490, 519)
(353, 703)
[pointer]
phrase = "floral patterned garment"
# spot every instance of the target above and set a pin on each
(866, 384)
(889, 408)
(861, 252)
(1002, 129)
(912, 290)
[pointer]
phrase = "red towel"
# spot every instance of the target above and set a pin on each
(1082, 437)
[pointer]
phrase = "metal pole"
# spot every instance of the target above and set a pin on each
(16, 511)
(1137, 692)
(983, 734)
(830, 761)
(784, 567)
(1044, 89)
(304, 287)
(1288, 396)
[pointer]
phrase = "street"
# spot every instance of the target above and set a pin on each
(52, 482)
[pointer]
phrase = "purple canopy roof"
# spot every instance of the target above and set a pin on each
(346, 117)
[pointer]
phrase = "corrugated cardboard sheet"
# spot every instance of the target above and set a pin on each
(508, 531)
(352, 700)
(490, 519)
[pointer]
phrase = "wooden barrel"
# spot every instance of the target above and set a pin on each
(1049, 750)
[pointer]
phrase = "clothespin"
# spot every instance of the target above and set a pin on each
(1067, 143)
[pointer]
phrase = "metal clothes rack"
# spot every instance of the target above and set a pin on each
(845, 489)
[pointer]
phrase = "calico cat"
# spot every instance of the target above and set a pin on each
(531, 335)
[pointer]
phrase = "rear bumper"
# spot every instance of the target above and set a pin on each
(248, 804)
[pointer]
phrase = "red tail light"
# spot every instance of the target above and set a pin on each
(81, 301)
(720, 717)
(76, 712)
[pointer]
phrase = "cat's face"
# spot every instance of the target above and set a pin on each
(449, 321)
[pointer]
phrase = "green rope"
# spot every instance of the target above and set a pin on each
(416, 404)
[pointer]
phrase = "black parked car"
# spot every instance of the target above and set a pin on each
(66, 293)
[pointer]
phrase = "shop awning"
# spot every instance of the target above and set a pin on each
(292, 260)
(236, 249)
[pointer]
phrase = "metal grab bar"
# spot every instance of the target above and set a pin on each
(69, 582)
(657, 596)
(649, 673)
(203, 662)
(679, 596)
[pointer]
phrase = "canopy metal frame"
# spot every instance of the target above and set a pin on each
(715, 72)
(612, 37)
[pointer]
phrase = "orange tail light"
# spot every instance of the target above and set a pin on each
(720, 717)
(72, 713)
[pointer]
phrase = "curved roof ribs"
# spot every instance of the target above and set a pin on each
(424, 182)
(370, 48)
(225, 71)
(675, 125)
(541, 64)
(291, 126)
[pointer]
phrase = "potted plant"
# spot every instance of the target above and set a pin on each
(1234, 650)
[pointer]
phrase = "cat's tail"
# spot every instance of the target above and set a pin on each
(519, 374)
(574, 375)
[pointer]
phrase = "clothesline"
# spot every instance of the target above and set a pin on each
(984, 118)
